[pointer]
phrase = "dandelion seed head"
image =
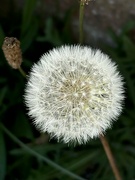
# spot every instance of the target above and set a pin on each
(74, 93)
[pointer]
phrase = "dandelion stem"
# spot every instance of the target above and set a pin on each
(36, 154)
(81, 15)
(102, 138)
(110, 157)
(22, 71)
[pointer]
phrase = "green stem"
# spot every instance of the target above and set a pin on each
(22, 72)
(34, 153)
(81, 15)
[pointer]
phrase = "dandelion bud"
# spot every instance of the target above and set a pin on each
(85, 2)
(12, 52)
(74, 93)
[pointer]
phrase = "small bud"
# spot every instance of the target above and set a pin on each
(12, 52)
(85, 2)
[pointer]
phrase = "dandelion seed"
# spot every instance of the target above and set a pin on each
(74, 106)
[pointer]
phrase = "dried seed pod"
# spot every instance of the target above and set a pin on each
(12, 52)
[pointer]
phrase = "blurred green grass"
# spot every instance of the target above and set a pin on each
(88, 161)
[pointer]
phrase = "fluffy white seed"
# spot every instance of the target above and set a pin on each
(74, 93)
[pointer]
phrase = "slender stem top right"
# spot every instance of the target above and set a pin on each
(81, 16)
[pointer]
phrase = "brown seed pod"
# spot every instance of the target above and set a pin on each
(12, 52)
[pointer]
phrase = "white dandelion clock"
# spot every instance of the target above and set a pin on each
(74, 93)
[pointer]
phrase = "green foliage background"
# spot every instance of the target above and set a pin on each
(87, 161)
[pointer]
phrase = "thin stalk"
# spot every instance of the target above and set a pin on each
(81, 15)
(34, 153)
(110, 158)
(102, 138)
(22, 71)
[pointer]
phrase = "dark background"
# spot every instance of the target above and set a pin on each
(39, 31)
